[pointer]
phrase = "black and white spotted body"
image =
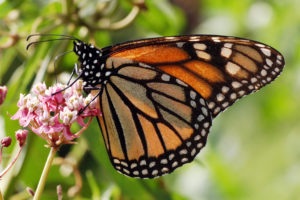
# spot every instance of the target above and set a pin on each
(92, 64)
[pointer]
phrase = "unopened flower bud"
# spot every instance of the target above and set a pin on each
(59, 192)
(30, 191)
(3, 92)
(21, 135)
(5, 142)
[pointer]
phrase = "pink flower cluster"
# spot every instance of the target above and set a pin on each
(50, 112)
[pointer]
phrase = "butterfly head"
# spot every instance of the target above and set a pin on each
(91, 63)
(86, 51)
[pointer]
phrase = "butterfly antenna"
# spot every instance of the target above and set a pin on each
(75, 70)
(41, 41)
(59, 35)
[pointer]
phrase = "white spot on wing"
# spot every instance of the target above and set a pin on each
(154, 172)
(260, 45)
(236, 84)
(165, 77)
(217, 110)
(171, 156)
(199, 145)
(269, 62)
(184, 160)
(233, 96)
(199, 46)
(263, 72)
(228, 45)
(181, 83)
(170, 38)
(203, 55)
(144, 171)
(200, 118)
(174, 164)
(204, 111)
(143, 162)
(193, 152)
(225, 52)
(279, 57)
(180, 44)
(193, 94)
(278, 62)
(133, 165)
(266, 51)
(206, 125)
(225, 104)
(183, 152)
(124, 164)
(193, 104)
(164, 161)
(107, 73)
(152, 164)
(211, 105)
(253, 80)
(220, 97)
(216, 39)
(164, 169)
(197, 137)
(225, 89)
(202, 101)
(232, 68)
(136, 172)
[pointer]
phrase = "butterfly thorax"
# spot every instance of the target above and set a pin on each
(92, 64)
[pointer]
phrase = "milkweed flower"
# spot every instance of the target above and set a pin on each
(50, 112)
(3, 92)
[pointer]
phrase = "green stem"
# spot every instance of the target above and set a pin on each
(1, 197)
(42, 182)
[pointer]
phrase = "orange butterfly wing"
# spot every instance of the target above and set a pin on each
(158, 95)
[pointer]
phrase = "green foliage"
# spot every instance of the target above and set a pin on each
(253, 148)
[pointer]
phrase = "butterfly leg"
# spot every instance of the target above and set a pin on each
(75, 70)
(94, 98)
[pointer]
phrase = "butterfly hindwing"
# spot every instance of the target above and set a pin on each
(152, 122)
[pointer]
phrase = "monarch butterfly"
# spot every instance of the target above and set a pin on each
(158, 96)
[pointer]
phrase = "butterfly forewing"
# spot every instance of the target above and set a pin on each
(152, 122)
(221, 69)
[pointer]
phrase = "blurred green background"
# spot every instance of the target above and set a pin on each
(253, 150)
